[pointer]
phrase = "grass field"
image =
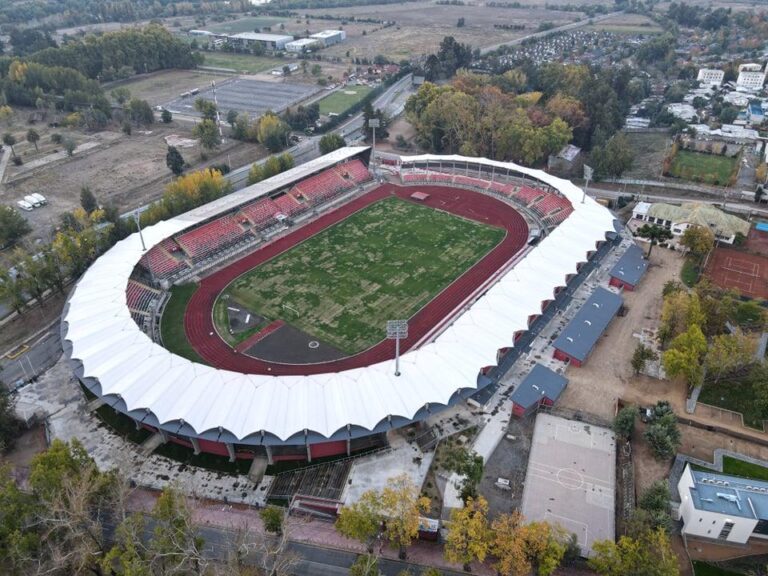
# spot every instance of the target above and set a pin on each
(172, 324)
(736, 397)
(243, 63)
(737, 467)
(704, 569)
(705, 168)
(385, 261)
(339, 102)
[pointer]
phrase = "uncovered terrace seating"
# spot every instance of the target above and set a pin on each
(260, 212)
(549, 204)
(139, 297)
(159, 261)
(354, 170)
(211, 237)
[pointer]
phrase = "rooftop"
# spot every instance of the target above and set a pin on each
(262, 37)
(541, 382)
(582, 333)
(701, 214)
(631, 266)
(714, 492)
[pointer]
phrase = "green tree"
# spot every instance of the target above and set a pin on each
(10, 426)
(272, 132)
(698, 240)
(69, 146)
(286, 161)
(176, 546)
(365, 565)
(166, 116)
(232, 118)
(206, 108)
(640, 356)
(685, 354)
(663, 436)
(624, 423)
(615, 158)
(121, 95)
(655, 234)
(141, 112)
(330, 142)
(88, 200)
(272, 167)
(272, 516)
(174, 160)
(402, 506)
(316, 70)
(12, 226)
(33, 138)
(208, 133)
(469, 536)
(361, 520)
(10, 141)
(255, 174)
(729, 352)
(12, 291)
(650, 554)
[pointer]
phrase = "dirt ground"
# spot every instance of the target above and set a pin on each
(128, 171)
(421, 26)
(650, 150)
(400, 127)
(159, 87)
(607, 374)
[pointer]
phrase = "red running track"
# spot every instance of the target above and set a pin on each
(198, 321)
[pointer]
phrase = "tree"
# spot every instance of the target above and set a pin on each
(88, 200)
(12, 291)
(362, 520)
(330, 142)
(206, 108)
(655, 234)
(33, 137)
(698, 240)
(174, 160)
(232, 118)
(521, 548)
(365, 565)
(10, 425)
(685, 354)
(10, 141)
(316, 70)
(640, 356)
(729, 352)
(649, 554)
(121, 95)
(272, 516)
(663, 436)
(615, 158)
(272, 132)
(141, 112)
(469, 536)
(402, 506)
(126, 128)
(166, 116)
(208, 134)
(69, 146)
(12, 226)
(255, 174)
(286, 161)
(624, 423)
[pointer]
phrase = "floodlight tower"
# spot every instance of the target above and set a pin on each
(218, 116)
(396, 330)
(374, 123)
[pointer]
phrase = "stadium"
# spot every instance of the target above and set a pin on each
(288, 356)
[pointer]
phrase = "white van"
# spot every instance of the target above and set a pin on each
(24, 205)
(30, 199)
(40, 198)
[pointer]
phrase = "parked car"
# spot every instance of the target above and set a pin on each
(24, 205)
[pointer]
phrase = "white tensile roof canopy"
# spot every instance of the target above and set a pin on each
(146, 377)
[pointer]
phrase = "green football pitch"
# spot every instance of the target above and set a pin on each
(385, 261)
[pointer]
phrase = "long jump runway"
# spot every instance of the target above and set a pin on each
(198, 321)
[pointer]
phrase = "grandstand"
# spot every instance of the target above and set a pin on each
(140, 298)
(255, 414)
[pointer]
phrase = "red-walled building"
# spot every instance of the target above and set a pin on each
(630, 269)
(542, 387)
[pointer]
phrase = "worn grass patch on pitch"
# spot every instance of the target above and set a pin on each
(384, 262)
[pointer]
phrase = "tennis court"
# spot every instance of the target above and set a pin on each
(743, 272)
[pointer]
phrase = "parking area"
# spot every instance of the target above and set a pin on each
(571, 478)
(253, 97)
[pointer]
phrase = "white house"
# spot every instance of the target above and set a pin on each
(751, 77)
(710, 76)
(679, 218)
(330, 37)
(720, 507)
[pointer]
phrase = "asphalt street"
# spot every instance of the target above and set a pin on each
(43, 353)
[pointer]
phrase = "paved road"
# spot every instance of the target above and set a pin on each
(43, 353)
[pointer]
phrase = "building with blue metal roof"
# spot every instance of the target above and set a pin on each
(722, 507)
(541, 386)
(579, 337)
(630, 269)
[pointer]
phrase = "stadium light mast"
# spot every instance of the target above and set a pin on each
(588, 173)
(138, 224)
(374, 123)
(396, 330)
(218, 116)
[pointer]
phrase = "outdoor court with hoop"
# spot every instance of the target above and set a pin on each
(571, 478)
(743, 272)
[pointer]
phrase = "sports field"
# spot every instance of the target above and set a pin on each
(384, 262)
(343, 99)
(705, 168)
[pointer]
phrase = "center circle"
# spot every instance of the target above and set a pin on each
(569, 478)
(314, 344)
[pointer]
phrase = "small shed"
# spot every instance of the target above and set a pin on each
(568, 162)
(542, 387)
(630, 269)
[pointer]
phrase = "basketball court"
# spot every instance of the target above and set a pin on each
(571, 478)
(743, 272)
